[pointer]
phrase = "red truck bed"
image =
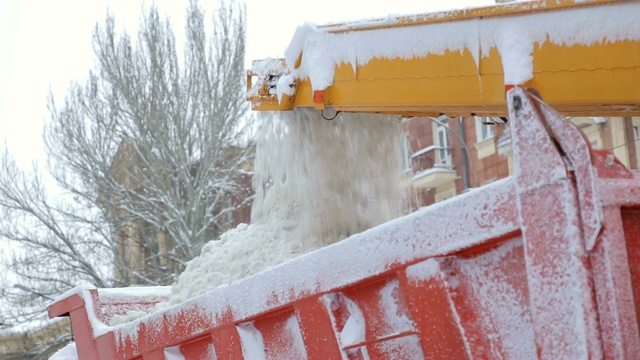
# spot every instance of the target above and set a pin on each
(544, 264)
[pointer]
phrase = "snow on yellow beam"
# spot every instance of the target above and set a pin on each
(584, 57)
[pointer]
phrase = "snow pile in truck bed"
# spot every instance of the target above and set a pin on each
(513, 36)
(316, 182)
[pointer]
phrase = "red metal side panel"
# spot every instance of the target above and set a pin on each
(83, 334)
(227, 344)
(151, 337)
(105, 346)
(126, 347)
(613, 284)
(631, 226)
(558, 278)
(489, 291)
(74, 307)
(473, 304)
(389, 331)
(281, 336)
(317, 330)
(437, 320)
(154, 355)
(201, 349)
(188, 323)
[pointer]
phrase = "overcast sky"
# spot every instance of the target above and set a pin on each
(46, 44)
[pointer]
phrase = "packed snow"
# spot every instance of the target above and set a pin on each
(316, 182)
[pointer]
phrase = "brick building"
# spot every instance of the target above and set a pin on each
(445, 157)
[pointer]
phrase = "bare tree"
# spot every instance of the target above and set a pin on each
(149, 155)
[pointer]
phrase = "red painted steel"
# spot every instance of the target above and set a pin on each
(544, 264)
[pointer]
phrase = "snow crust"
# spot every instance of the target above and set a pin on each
(121, 305)
(97, 325)
(252, 342)
(316, 182)
(502, 326)
(424, 270)
(76, 290)
(173, 353)
(68, 352)
(285, 86)
(513, 36)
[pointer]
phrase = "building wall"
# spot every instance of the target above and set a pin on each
(487, 163)
(490, 159)
(40, 343)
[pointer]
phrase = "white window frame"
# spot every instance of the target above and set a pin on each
(484, 132)
(228, 202)
(405, 152)
(443, 153)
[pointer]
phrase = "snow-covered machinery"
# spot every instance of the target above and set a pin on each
(581, 55)
(543, 264)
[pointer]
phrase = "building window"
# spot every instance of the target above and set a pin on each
(444, 145)
(406, 152)
(484, 128)
(228, 203)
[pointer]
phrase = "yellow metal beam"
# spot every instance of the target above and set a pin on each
(508, 9)
(602, 79)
